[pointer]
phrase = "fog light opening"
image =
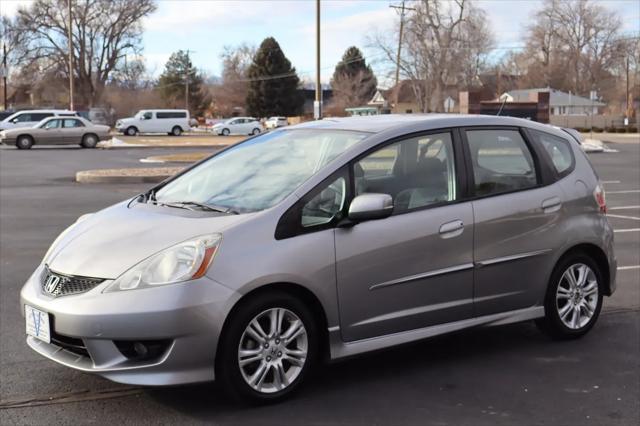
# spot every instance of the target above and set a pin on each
(142, 350)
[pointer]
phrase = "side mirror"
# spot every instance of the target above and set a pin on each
(14, 121)
(370, 206)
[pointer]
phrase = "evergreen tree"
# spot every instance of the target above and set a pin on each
(353, 82)
(273, 89)
(172, 84)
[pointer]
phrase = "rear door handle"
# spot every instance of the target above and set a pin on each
(451, 229)
(551, 205)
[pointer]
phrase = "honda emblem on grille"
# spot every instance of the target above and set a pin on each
(51, 284)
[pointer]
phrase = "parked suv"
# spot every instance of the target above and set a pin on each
(171, 121)
(325, 240)
(30, 118)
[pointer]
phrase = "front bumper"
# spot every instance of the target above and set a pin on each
(7, 141)
(187, 317)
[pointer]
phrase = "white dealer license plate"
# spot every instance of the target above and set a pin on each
(37, 323)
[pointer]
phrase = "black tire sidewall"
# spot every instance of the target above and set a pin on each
(131, 131)
(227, 368)
(255, 131)
(176, 131)
(225, 132)
(552, 322)
(93, 144)
(23, 138)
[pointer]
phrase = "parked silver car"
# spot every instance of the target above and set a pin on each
(326, 240)
(56, 131)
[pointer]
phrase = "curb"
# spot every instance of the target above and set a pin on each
(121, 176)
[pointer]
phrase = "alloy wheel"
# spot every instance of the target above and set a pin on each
(273, 350)
(577, 296)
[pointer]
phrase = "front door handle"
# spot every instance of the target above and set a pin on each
(451, 229)
(551, 205)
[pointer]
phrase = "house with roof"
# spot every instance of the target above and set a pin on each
(560, 103)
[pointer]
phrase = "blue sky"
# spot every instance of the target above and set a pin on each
(206, 26)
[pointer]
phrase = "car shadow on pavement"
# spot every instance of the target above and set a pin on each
(345, 383)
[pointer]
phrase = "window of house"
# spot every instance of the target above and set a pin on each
(501, 161)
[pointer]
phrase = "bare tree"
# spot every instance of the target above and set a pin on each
(232, 92)
(104, 33)
(444, 42)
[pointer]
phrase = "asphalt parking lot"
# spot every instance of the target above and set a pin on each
(503, 375)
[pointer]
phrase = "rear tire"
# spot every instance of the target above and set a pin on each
(131, 131)
(176, 131)
(275, 359)
(574, 297)
(24, 142)
(255, 131)
(89, 141)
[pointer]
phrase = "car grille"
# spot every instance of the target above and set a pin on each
(71, 344)
(56, 284)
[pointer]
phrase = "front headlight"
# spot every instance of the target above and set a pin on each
(182, 262)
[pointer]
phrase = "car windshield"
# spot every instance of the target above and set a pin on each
(260, 172)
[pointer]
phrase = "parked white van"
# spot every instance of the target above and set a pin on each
(30, 118)
(171, 121)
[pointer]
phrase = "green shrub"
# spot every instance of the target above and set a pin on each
(631, 129)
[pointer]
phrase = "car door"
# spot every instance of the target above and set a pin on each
(147, 122)
(413, 269)
(515, 212)
(72, 130)
(50, 132)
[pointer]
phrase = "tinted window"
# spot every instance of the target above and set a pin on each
(40, 116)
(22, 118)
(326, 205)
(68, 123)
(558, 149)
(416, 172)
(147, 115)
(501, 161)
(171, 114)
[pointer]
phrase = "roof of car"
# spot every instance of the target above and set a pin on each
(380, 123)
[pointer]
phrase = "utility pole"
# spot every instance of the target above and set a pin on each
(628, 109)
(402, 8)
(317, 105)
(5, 72)
(70, 59)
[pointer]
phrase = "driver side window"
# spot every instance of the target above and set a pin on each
(148, 115)
(326, 205)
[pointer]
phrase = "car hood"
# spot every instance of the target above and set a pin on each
(109, 242)
(126, 120)
(13, 131)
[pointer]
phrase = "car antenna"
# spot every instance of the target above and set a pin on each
(504, 101)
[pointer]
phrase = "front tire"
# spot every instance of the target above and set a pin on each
(24, 142)
(574, 298)
(268, 347)
(225, 132)
(131, 131)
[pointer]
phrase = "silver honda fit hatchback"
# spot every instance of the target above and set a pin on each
(323, 241)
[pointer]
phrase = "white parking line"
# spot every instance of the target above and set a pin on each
(626, 268)
(610, 181)
(623, 208)
(627, 230)
(628, 191)
(623, 217)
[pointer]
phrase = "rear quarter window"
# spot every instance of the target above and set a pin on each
(171, 115)
(558, 149)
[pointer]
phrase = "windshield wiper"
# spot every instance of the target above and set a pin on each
(190, 204)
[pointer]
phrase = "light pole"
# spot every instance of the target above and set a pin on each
(317, 105)
(4, 73)
(70, 59)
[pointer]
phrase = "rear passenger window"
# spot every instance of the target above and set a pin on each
(558, 149)
(501, 161)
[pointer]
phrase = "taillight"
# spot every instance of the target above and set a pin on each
(599, 195)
